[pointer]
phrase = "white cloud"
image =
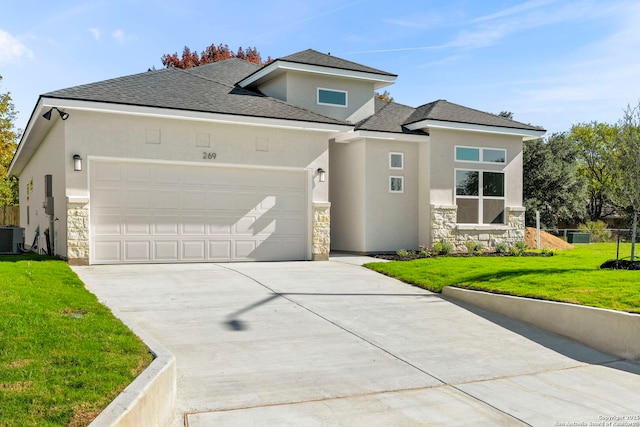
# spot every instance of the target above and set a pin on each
(11, 48)
(96, 33)
(119, 36)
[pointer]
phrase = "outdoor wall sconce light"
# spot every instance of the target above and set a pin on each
(322, 175)
(77, 162)
(63, 115)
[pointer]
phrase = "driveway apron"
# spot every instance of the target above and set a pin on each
(335, 344)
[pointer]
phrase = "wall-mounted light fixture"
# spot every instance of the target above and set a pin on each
(63, 115)
(77, 162)
(322, 175)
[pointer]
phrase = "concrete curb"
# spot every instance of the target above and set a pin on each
(151, 398)
(610, 331)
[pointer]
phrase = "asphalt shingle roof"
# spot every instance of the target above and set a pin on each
(204, 89)
(313, 57)
(389, 117)
(445, 111)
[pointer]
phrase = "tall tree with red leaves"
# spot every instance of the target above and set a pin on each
(212, 53)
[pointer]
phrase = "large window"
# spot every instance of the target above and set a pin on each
(334, 98)
(480, 197)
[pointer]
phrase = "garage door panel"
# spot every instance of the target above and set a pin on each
(193, 250)
(166, 199)
(166, 250)
(108, 251)
(137, 198)
(105, 172)
(107, 224)
(221, 226)
(220, 250)
(137, 250)
(146, 212)
(107, 197)
(138, 173)
(218, 200)
(166, 225)
(192, 200)
(137, 225)
(193, 225)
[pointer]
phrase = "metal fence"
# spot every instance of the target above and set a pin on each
(611, 234)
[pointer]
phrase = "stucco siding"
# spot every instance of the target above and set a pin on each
(391, 218)
(442, 163)
(347, 195)
(48, 159)
(302, 91)
(134, 137)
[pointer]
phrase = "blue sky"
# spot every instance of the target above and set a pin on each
(553, 63)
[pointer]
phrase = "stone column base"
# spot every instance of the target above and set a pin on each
(321, 231)
(78, 233)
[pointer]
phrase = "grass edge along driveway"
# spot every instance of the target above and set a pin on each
(572, 276)
(63, 356)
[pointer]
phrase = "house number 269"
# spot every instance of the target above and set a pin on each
(209, 156)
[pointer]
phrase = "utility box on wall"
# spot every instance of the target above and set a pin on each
(11, 239)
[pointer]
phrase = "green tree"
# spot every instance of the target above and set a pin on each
(8, 137)
(595, 142)
(624, 166)
(551, 181)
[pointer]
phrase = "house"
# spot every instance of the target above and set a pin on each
(231, 162)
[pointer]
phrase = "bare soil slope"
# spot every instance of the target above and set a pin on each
(547, 240)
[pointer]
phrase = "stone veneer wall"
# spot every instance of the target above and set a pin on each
(78, 233)
(321, 231)
(444, 227)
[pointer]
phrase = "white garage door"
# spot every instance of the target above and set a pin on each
(159, 213)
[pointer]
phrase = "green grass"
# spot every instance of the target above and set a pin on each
(571, 276)
(63, 356)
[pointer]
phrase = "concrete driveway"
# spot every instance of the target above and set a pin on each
(334, 344)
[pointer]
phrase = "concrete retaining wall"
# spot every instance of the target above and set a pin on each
(150, 400)
(610, 331)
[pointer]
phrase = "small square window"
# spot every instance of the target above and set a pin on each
(396, 161)
(396, 184)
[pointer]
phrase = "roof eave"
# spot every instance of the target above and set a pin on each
(526, 134)
(355, 135)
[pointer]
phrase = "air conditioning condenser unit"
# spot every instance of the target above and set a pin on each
(11, 239)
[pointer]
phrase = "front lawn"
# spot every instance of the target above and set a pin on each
(63, 356)
(570, 276)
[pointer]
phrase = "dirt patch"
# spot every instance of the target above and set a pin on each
(548, 241)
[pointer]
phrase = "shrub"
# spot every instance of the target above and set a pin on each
(424, 251)
(598, 230)
(518, 248)
(442, 248)
(547, 252)
(474, 248)
(502, 248)
(403, 253)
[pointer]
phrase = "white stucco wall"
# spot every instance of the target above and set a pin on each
(365, 216)
(347, 196)
(48, 159)
(302, 91)
(442, 164)
(152, 138)
(391, 218)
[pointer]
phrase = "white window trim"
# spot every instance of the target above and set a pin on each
(480, 155)
(401, 178)
(393, 153)
(480, 197)
(346, 97)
